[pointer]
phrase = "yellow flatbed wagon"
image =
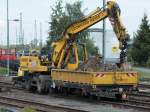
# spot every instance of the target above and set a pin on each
(119, 83)
(96, 78)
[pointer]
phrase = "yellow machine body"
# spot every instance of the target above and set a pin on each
(31, 64)
(64, 61)
(65, 54)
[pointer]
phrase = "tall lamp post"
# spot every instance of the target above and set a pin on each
(7, 37)
(104, 34)
(21, 39)
(8, 47)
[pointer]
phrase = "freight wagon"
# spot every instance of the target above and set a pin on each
(109, 84)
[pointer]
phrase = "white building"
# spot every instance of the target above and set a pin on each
(112, 45)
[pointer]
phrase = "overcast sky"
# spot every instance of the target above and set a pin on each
(131, 10)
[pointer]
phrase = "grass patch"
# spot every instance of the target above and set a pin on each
(143, 74)
(3, 70)
(28, 109)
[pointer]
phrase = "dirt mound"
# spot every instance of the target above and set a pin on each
(94, 64)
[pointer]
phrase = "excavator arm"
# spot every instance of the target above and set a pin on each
(112, 11)
(63, 46)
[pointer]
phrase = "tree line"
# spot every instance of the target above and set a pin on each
(61, 17)
(139, 52)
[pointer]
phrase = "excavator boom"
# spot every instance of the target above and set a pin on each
(86, 22)
(112, 11)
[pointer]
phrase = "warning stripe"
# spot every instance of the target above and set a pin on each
(130, 74)
(99, 75)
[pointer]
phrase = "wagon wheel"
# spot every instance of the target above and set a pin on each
(28, 85)
(40, 87)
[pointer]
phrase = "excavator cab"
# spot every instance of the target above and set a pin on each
(45, 56)
(73, 58)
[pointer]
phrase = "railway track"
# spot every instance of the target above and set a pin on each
(141, 105)
(140, 101)
(141, 97)
(130, 104)
(20, 103)
(144, 86)
(8, 86)
(143, 94)
(138, 105)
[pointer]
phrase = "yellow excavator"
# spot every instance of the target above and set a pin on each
(66, 44)
(59, 71)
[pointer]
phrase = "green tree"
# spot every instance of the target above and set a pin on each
(58, 22)
(62, 17)
(141, 43)
(74, 12)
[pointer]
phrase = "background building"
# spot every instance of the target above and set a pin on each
(112, 45)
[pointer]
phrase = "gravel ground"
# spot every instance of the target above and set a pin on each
(8, 109)
(60, 101)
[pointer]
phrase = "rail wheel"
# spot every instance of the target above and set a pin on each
(40, 87)
(122, 96)
(47, 87)
(94, 97)
(51, 90)
(28, 85)
(65, 91)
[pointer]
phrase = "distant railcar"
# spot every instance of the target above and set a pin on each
(10, 54)
(7, 54)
